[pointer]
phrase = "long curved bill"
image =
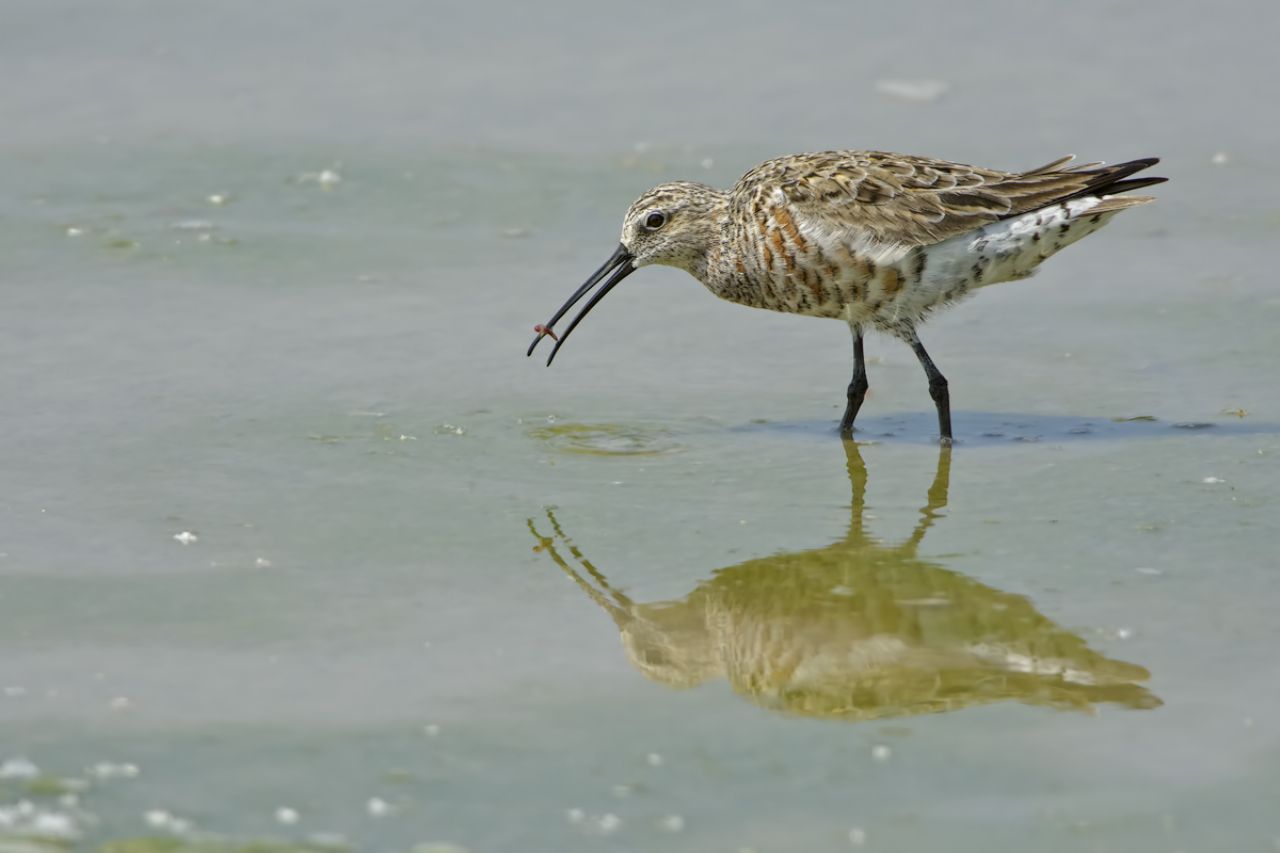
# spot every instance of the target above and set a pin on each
(616, 268)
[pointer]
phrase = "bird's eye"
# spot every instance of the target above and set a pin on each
(655, 220)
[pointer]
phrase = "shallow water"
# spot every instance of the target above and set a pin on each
(296, 546)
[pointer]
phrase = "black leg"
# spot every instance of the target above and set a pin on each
(858, 387)
(937, 388)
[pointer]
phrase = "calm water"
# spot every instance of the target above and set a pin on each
(297, 547)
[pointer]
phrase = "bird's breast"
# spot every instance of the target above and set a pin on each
(775, 263)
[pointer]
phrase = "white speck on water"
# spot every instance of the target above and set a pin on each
(857, 836)
(1151, 571)
(708, 163)
(431, 730)
(217, 199)
(106, 770)
(326, 178)
(377, 807)
(186, 537)
(408, 437)
(72, 231)
(1220, 158)
(575, 816)
(120, 703)
(1124, 633)
(286, 816)
(37, 825)
(842, 590)
(193, 225)
(1212, 480)
(161, 819)
(654, 759)
(54, 824)
(18, 768)
(882, 753)
(672, 823)
(920, 91)
(450, 429)
(262, 563)
(608, 823)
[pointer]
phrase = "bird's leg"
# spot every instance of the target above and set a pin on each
(937, 385)
(858, 387)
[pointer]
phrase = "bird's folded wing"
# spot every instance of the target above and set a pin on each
(902, 199)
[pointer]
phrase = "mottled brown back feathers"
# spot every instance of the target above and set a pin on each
(919, 200)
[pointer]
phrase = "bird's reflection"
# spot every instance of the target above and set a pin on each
(857, 630)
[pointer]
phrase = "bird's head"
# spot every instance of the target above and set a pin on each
(673, 224)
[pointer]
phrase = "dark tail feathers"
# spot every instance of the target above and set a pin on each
(1110, 180)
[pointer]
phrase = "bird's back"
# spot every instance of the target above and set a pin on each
(854, 234)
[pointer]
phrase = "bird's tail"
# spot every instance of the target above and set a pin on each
(1111, 181)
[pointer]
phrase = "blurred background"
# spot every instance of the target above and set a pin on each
(298, 549)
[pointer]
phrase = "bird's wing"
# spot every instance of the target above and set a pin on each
(906, 200)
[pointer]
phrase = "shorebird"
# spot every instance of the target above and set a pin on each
(875, 239)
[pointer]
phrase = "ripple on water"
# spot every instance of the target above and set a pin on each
(607, 439)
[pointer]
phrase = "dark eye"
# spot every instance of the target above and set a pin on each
(655, 220)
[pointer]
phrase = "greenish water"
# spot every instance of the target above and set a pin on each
(298, 551)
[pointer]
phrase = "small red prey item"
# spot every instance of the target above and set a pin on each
(543, 330)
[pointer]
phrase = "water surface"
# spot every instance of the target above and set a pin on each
(297, 547)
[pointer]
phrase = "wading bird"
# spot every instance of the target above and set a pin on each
(875, 239)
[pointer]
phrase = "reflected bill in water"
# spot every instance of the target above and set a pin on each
(857, 630)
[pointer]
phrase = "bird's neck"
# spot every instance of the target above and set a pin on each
(706, 266)
(725, 271)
